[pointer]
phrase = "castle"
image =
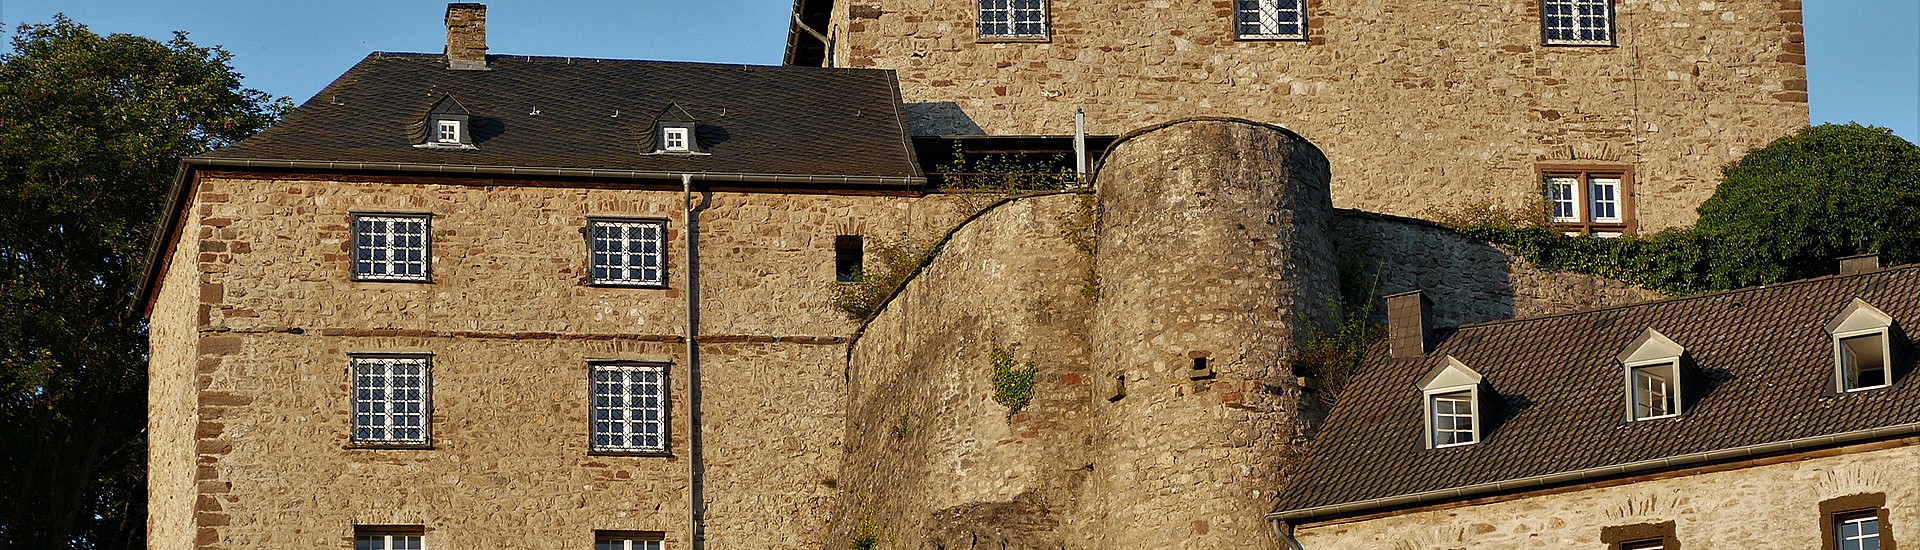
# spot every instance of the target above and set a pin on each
(466, 299)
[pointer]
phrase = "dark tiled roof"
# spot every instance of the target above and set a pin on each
(761, 120)
(1765, 362)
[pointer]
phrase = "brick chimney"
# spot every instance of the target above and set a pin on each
(467, 37)
(1409, 324)
(1859, 263)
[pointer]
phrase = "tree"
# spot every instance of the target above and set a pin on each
(1787, 210)
(91, 131)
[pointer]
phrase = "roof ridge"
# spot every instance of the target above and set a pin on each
(574, 59)
(1701, 296)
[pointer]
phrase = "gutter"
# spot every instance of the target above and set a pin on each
(1668, 463)
(181, 191)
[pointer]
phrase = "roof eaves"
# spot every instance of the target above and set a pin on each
(1332, 511)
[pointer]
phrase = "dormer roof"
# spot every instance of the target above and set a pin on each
(1763, 360)
(1450, 373)
(552, 115)
(1650, 346)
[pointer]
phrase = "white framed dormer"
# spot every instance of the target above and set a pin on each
(676, 139)
(1451, 399)
(1656, 382)
(446, 125)
(676, 132)
(1863, 342)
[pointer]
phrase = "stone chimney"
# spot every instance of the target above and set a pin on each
(1859, 263)
(1409, 324)
(467, 37)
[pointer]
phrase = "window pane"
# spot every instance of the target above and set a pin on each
(1863, 361)
(621, 249)
(627, 409)
(390, 248)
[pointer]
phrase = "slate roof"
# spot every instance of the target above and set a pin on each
(1765, 363)
(792, 121)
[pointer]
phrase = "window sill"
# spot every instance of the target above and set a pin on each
(1270, 38)
(378, 446)
(451, 146)
(641, 286)
(637, 454)
(1012, 39)
(427, 281)
(1580, 44)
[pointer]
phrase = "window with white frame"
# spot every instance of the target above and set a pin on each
(1452, 394)
(1270, 19)
(388, 539)
(390, 400)
(391, 247)
(1453, 419)
(1589, 201)
(1655, 544)
(448, 131)
(1013, 18)
(628, 540)
(1577, 22)
(1863, 347)
(629, 407)
(1655, 391)
(1857, 531)
(627, 252)
(1655, 381)
(675, 138)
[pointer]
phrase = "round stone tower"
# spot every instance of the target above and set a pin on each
(1214, 256)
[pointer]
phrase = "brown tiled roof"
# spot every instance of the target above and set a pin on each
(1763, 356)
(793, 121)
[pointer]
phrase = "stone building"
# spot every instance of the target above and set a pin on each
(1779, 416)
(1418, 104)
(472, 300)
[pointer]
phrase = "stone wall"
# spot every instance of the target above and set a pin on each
(1767, 506)
(1215, 251)
(171, 397)
(1417, 104)
(1469, 281)
(932, 461)
(511, 328)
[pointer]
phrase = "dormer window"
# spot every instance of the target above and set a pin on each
(675, 132)
(675, 139)
(448, 131)
(445, 125)
(1862, 347)
(1655, 380)
(1453, 395)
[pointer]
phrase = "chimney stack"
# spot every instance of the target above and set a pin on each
(1859, 263)
(1409, 324)
(467, 37)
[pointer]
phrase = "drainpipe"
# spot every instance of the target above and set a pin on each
(696, 478)
(1286, 534)
(826, 60)
(1080, 144)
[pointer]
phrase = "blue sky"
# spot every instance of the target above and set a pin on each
(1863, 55)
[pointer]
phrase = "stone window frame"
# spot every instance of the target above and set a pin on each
(664, 227)
(426, 403)
(1835, 510)
(1582, 222)
(625, 539)
(426, 247)
(665, 409)
(1640, 536)
(1046, 25)
(1612, 24)
(386, 533)
(1304, 8)
(849, 258)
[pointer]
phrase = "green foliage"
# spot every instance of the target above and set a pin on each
(1786, 211)
(1329, 352)
(91, 131)
(900, 427)
(867, 534)
(862, 298)
(1003, 173)
(1081, 230)
(1012, 381)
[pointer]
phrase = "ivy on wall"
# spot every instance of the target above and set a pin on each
(1012, 380)
(1783, 212)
